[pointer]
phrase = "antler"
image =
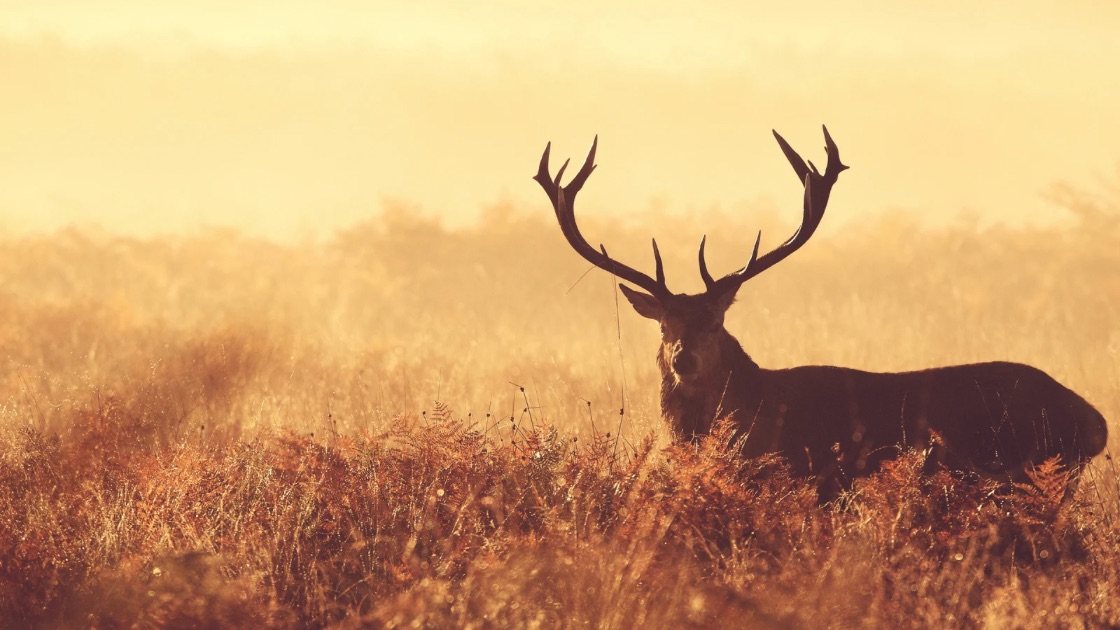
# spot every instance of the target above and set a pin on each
(562, 200)
(818, 186)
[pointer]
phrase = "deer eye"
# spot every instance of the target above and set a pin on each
(709, 324)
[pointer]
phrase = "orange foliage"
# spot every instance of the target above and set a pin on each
(221, 431)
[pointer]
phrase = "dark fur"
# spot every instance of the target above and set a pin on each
(994, 419)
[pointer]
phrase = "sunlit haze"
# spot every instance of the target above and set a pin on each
(289, 120)
(291, 338)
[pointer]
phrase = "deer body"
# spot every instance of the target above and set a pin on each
(993, 419)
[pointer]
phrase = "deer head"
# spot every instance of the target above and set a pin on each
(693, 338)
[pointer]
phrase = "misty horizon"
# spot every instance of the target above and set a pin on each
(158, 125)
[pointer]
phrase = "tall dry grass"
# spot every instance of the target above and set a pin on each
(411, 425)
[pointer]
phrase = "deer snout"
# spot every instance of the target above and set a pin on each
(684, 362)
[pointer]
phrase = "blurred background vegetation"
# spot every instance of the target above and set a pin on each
(237, 333)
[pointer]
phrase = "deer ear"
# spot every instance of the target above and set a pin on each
(646, 305)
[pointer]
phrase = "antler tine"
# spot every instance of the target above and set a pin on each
(563, 199)
(560, 173)
(588, 166)
(731, 277)
(542, 169)
(817, 186)
(657, 260)
(708, 281)
(794, 158)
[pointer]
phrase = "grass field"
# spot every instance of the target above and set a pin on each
(410, 426)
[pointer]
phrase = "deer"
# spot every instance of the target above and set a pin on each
(993, 420)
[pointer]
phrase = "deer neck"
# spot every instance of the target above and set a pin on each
(723, 390)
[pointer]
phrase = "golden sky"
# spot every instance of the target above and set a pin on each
(285, 118)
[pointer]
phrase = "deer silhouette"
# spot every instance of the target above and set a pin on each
(996, 420)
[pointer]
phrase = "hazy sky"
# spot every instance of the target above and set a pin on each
(282, 118)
